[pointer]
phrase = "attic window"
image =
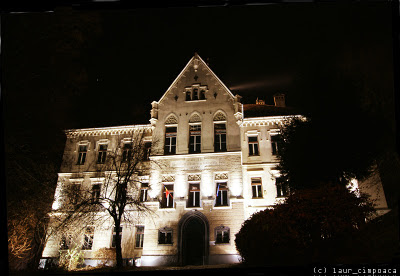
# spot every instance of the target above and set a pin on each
(195, 93)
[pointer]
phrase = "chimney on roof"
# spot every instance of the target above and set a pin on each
(262, 102)
(279, 100)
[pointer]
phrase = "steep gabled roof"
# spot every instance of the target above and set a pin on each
(191, 63)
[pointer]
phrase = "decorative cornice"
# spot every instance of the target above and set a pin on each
(267, 121)
(118, 130)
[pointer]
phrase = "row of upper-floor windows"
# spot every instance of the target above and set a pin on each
(193, 199)
(126, 151)
(194, 143)
(220, 140)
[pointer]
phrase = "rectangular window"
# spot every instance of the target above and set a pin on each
(127, 152)
(82, 151)
(101, 158)
(96, 193)
(88, 238)
(170, 140)
(143, 192)
(188, 96)
(139, 236)
(147, 151)
(256, 187)
(274, 144)
(219, 137)
(194, 195)
(66, 242)
(253, 145)
(222, 194)
(114, 237)
(165, 236)
(75, 193)
(194, 138)
(222, 235)
(282, 188)
(168, 196)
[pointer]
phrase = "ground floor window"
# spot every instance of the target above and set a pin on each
(165, 236)
(222, 234)
(139, 236)
(88, 238)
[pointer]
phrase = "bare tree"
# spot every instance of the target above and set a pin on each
(118, 197)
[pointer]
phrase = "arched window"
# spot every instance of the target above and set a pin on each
(219, 132)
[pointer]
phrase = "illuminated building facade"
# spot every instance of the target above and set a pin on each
(212, 165)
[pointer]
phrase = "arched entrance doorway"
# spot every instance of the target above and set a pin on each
(193, 239)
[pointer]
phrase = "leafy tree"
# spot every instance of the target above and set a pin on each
(309, 227)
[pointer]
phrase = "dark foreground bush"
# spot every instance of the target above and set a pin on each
(316, 225)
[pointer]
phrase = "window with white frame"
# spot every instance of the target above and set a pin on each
(221, 194)
(139, 237)
(194, 195)
(253, 145)
(82, 152)
(144, 187)
(170, 140)
(167, 200)
(88, 238)
(165, 235)
(74, 192)
(195, 138)
(102, 153)
(219, 137)
(256, 187)
(222, 234)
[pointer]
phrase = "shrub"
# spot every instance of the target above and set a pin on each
(71, 258)
(304, 228)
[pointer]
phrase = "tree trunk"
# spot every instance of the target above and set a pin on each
(118, 247)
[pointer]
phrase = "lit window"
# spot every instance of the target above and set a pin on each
(96, 193)
(88, 238)
(282, 188)
(127, 152)
(194, 138)
(170, 140)
(143, 192)
(222, 234)
(82, 151)
(114, 237)
(219, 137)
(222, 194)
(253, 145)
(101, 158)
(256, 187)
(194, 195)
(139, 236)
(165, 236)
(274, 144)
(168, 196)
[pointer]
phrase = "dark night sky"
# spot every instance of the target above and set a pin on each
(95, 68)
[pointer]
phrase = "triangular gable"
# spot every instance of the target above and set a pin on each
(190, 63)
